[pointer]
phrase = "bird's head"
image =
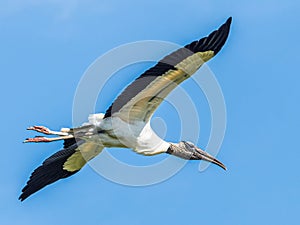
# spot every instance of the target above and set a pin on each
(188, 150)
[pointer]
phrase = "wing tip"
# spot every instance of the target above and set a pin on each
(214, 41)
(25, 194)
(22, 197)
(49, 172)
(229, 20)
(223, 31)
(219, 36)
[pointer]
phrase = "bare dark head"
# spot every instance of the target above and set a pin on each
(189, 151)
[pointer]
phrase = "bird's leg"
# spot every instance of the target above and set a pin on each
(45, 130)
(63, 134)
(45, 139)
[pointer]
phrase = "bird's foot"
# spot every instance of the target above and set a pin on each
(40, 129)
(37, 139)
(45, 130)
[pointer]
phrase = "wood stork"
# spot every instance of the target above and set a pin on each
(126, 123)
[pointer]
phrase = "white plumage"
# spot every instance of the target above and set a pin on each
(138, 135)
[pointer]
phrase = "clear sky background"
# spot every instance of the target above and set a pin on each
(47, 45)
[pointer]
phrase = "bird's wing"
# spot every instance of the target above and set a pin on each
(62, 164)
(141, 98)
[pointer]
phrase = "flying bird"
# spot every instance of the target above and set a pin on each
(126, 123)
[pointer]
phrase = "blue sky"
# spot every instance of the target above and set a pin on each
(45, 49)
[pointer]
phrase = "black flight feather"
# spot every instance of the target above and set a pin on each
(50, 171)
(212, 42)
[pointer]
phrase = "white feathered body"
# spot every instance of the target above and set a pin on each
(138, 135)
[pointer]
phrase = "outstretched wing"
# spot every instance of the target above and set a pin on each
(142, 97)
(62, 164)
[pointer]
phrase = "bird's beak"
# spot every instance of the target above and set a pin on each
(202, 155)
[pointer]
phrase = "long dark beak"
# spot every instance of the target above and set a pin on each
(199, 154)
(205, 156)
